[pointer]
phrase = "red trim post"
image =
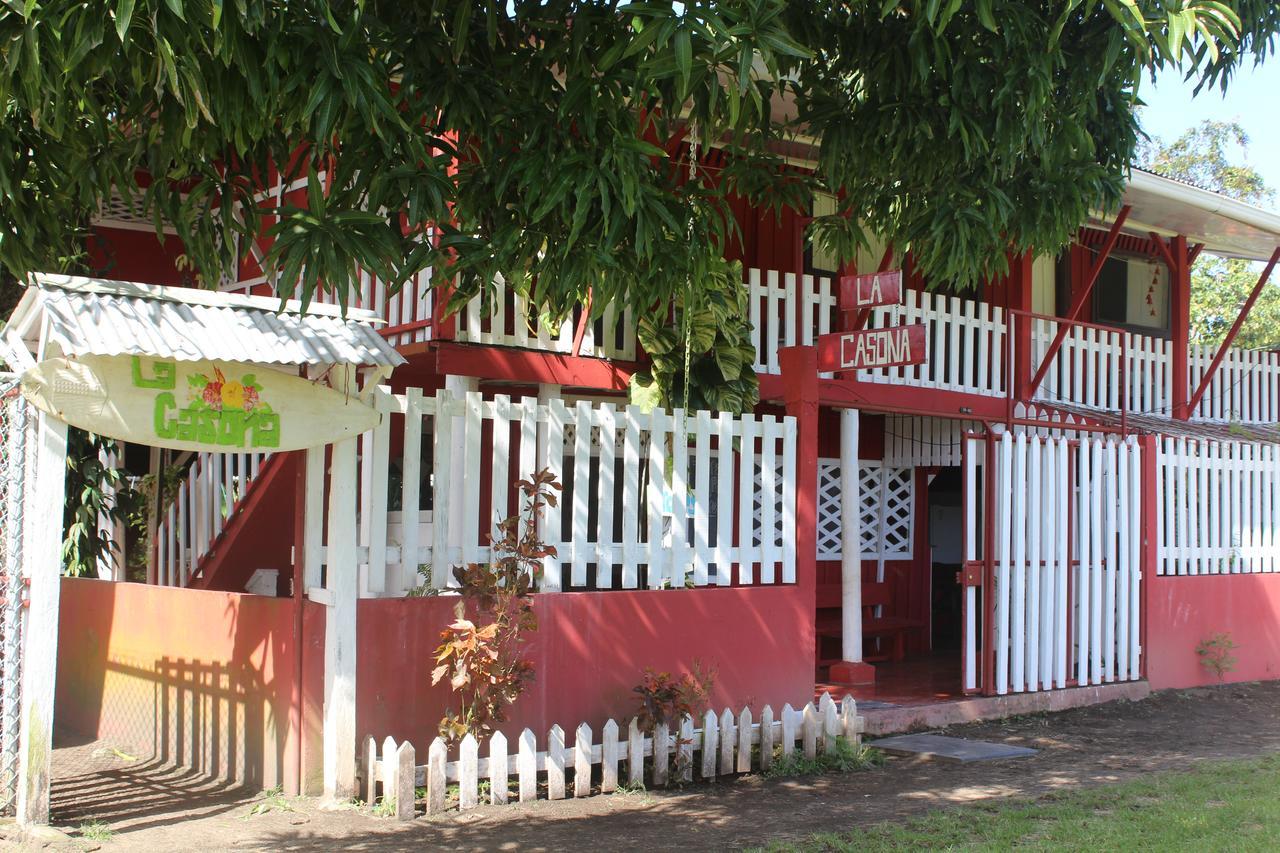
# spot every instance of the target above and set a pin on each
(1096, 270)
(800, 379)
(1180, 323)
(1020, 298)
(1235, 330)
(299, 601)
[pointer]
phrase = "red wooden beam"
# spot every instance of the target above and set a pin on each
(527, 366)
(1112, 236)
(1235, 330)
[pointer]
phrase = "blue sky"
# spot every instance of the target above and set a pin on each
(1253, 99)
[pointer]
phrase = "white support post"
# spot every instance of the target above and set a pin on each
(458, 388)
(340, 628)
(851, 540)
(42, 553)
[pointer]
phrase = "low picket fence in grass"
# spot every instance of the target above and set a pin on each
(724, 745)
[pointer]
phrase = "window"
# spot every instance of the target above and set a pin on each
(1133, 292)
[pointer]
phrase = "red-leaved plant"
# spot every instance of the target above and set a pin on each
(480, 652)
(664, 699)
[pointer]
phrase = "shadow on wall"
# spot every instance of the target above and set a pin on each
(188, 678)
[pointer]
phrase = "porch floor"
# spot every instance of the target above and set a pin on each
(921, 679)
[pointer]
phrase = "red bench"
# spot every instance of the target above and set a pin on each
(893, 629)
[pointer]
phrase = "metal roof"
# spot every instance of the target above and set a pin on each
(84, 316)
(1146, 422)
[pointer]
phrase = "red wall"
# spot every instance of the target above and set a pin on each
(203, 679)
(1182, 611)
(129, 255)
(590, 650)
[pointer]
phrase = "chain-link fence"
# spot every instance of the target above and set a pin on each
(14, 471)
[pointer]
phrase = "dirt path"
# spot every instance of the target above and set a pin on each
(149, 809)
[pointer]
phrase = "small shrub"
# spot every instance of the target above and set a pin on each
(482, 658)
(95, 830)
(386, 807)
(664, 699)
(1215, 653)
(843, 758)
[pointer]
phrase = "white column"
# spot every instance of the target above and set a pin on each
(42, 558)
(851, 540)
(342, 586)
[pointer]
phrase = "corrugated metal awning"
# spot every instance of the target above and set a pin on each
(88, 316)
(1165, 425)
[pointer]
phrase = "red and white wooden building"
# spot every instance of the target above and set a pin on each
(1062, 490)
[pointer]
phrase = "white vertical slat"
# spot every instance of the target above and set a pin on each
(659, 555)
(1200, 500)
(468, 772)
(1035, 521)
(631, 499)
(746, 500)
(771, 322)
(1108, 647)
(1004, 533)
(527, 757)
(470, 509)
(679, 498)
(410, 488)
(710, 745)
(605, 499)
(768, 494)
(608, 757)
(1017, 584)
(766, 737)
(635, 753)
(754, 295)
(789, 436)
(661, 753)
(1049, 487)
(528, 437)
(1096, 536)
(498, 769)
(788, 730)
(1123, 534)
(702, 497)
(557, 416)
(555, 763)
(1062, 562)
(380, 579)
(789, 305)
(500, 478)
(724, 499)
(441, 476)
(1135, 559)
(582, 761)
(581, 492)
(1084, 537)
(684, 749)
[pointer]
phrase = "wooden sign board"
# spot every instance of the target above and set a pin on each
(223, 407)
(870, 348)
(871, 290)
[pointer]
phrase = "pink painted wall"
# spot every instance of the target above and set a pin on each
(199, 678)
(590, 650)
(1182, 611)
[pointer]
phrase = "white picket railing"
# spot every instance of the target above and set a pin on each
(1094, 368)
(208, 496)
(625, 473)
(964, 344)
(1245, 388)
(724, 745)
(787, 310)
(507, 321)
(1221, 509)
(407, 312)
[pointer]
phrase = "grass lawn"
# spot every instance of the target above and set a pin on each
(1228, 805)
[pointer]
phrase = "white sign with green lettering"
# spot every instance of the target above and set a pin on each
(194, 405)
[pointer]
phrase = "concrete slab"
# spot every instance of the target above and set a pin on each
(907, 718)
(951, 748)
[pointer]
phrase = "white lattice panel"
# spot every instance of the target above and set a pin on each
(887, 495)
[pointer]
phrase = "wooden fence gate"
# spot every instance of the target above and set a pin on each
(1053, 554)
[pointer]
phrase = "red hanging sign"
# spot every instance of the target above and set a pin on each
(870, 290)
(894, 347)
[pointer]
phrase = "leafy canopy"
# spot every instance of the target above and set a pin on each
(1213, 155)
(542, 138)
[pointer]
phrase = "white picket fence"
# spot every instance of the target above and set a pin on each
(1067, 562)
(787, 310)
(504, 319)
(725, 745)
(660, 499)
(1093, 368)
(1245, 388)
(1221, 509)
(208, 496)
